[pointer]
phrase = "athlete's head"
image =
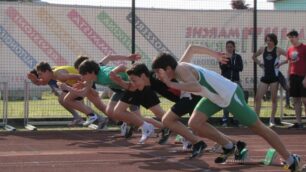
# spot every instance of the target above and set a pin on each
(293, 37)
(79, 60)
(164, 63)
(89, 69)
(139, 75)
(44, 71)
(271, 39)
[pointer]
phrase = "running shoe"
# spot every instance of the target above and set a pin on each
(147, 131)
(295, 166)
(165, 136)
(90, 120)
(197, 149)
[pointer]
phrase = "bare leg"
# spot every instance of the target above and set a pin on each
(75, 104)
(154, 122)
(121, 113)
(93, 97)
(74, 113)
(262, 89)
(297, 102)
(171, 120)
(274, 89)
(158, 112)
(271, 137)
(110, 109)
(198, 123)
(304, 102)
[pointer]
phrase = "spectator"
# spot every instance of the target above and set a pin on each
(270, 66)
(296, 56)
(231, 71)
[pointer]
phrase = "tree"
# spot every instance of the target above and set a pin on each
(239, 5)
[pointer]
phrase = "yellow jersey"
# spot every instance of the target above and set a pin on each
(69, 69)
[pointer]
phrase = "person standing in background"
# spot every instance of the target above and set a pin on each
(270, 65)
(231, 71)
(296, 56)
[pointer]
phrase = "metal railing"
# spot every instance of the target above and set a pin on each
(4, 96)
(30, 122)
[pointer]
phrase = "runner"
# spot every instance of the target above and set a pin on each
(219, 93)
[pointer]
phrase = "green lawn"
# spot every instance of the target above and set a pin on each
(48, 107)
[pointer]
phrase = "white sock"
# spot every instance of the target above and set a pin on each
(229, 145)
(290, 160)
(144, 125)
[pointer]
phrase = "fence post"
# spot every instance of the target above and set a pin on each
(26, 107)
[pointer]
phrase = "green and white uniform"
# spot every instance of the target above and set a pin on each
(103, 77)
(219, 93)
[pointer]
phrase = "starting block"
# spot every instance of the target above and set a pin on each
(9, 128)
(93, 126)
(178, 139)
(270, 156)
(30, 127)
(267, 160)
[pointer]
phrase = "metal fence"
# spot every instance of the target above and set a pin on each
(42, 113)
(43, 108)
(4, 106)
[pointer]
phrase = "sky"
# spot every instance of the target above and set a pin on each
(173, 4)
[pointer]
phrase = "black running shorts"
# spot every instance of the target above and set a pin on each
(296, 86)
(185, 105)
(268, 80)
(146, 97)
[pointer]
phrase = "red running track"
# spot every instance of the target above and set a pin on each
(99, 151)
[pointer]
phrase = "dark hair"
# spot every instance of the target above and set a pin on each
(138, 70)
(34, 72)
(293, 33)
(273, 38)
(231, 42)
(89, 66)
(163, 61)
(43, 67)
(79, 60)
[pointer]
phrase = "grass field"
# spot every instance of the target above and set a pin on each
(48, 107)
